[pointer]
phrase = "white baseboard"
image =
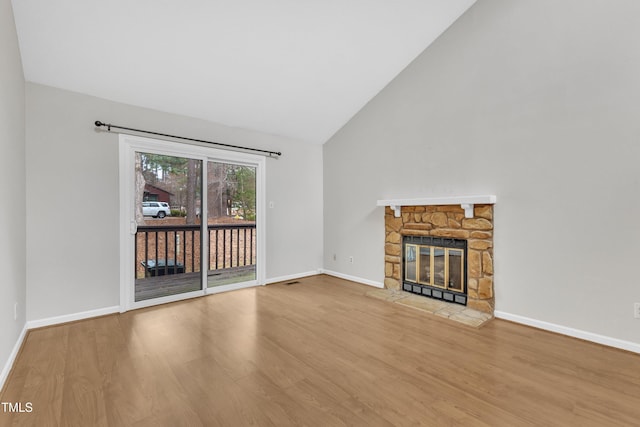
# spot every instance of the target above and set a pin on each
(575, 333)
(353, 278)
(31, 324)
(12, 357)
(292, 277)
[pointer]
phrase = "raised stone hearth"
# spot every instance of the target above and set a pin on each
(456, 312)
(447, 221)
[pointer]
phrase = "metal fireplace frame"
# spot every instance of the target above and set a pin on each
(436, 292)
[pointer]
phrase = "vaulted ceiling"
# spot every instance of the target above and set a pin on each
(299, 69)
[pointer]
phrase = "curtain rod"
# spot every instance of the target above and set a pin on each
(98, 123)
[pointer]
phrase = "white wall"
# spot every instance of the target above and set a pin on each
(12, 188)
(536, 102)
(72, 197)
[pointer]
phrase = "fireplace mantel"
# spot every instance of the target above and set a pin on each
(465, 202)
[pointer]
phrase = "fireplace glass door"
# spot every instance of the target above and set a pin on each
(435, 266)
(425, 264)
(455, 269)
(411, 261)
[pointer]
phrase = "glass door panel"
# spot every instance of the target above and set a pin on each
(231, 223)
(456, 269)
(438, 267)
(168, 192)
(410, 262)
(425, 265)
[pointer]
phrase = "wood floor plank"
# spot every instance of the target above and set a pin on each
(40, 380)
(314, 353)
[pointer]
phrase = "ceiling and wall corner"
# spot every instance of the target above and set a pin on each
(295, 69)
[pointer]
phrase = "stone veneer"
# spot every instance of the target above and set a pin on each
(446, 221)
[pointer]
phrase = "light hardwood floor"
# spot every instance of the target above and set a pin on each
(316, 353)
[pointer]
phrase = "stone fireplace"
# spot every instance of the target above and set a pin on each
(442, 251)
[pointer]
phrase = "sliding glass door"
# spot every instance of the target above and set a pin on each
(231, 214)
(190, 221)
(168, 244)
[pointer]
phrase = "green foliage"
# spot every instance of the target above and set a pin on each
(242, 180)
(169, 170)
(156, 167)
(178, 212)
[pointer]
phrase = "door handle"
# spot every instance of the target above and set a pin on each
(133, 227)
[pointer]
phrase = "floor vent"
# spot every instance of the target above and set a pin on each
(292, 283)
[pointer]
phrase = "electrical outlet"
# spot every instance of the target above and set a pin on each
(351, 259)
(636, 310)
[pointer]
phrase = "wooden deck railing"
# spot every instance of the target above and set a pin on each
(172, 249)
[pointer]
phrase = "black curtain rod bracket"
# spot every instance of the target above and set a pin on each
(98, 123)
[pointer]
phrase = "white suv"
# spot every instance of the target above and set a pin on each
(156, 209)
